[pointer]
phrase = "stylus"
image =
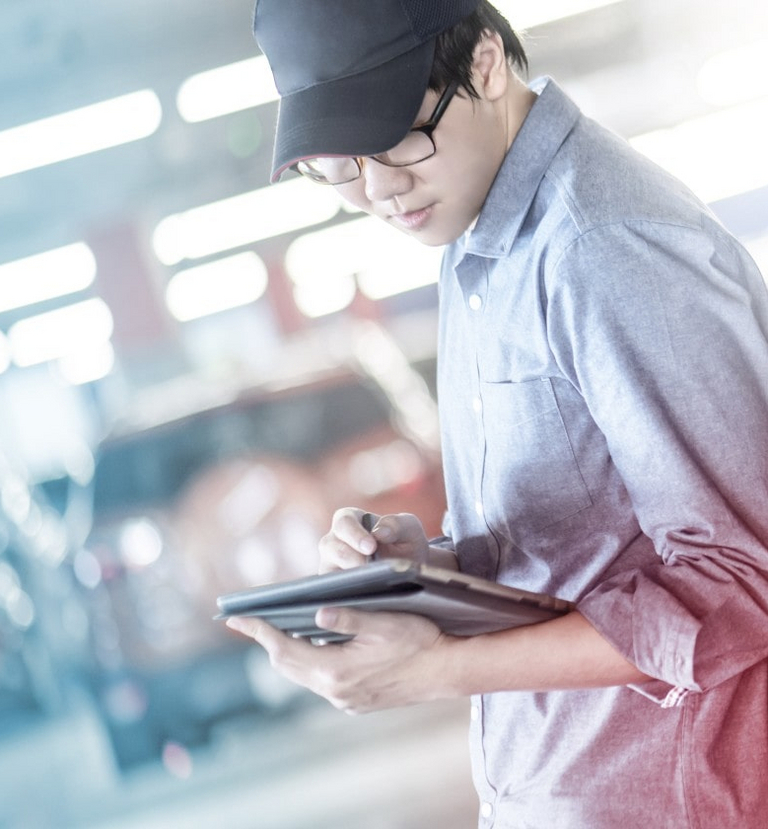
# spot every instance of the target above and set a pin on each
(368, 520)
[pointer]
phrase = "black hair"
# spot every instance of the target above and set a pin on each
(455, 47)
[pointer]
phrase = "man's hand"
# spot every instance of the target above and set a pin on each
(395, 659)
(349, 544)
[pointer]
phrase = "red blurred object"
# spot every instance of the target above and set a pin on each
(236, 495)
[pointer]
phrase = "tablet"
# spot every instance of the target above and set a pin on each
(459, 604)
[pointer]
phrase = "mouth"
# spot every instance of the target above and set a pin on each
(412, 220)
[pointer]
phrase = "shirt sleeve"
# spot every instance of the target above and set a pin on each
(664, 330)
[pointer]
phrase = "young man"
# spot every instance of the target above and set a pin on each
(603, 390)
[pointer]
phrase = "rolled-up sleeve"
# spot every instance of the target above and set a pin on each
(666, 337)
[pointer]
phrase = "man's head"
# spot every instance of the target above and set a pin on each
(355, 76)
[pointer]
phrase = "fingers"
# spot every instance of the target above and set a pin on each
(268, 637)
(348, 543)
(401, 536)
(338, 620)
(293, 658)
(387, 662)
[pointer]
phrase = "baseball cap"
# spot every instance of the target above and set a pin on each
(352, 74)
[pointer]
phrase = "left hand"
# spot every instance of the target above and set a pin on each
(395, 659)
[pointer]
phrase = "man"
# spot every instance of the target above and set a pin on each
(604, 407)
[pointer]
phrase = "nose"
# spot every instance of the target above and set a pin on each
(383, 183)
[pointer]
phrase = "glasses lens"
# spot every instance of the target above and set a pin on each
(416, 146)
(329, 170)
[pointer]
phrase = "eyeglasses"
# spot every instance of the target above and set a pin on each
(418, 145)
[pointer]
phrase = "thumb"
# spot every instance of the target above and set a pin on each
(403, 535)
(340, 620)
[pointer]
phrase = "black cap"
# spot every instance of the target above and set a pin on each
(352, 74)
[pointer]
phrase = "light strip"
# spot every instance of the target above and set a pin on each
(226, 89)
(79, 132)
(735, 75)
(5, 353)
(88, 365)
(216, 286)
(718, 155)
(244, 219)
(46, 275)
(249, 83)
(60, 333)
(527, 15)
(344, 250)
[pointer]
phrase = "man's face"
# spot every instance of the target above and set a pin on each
(436, 200)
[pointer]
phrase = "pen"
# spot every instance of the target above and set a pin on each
(368, 520)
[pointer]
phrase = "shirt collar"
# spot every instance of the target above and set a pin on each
(550, 120)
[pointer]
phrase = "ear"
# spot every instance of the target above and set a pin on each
(490, 70)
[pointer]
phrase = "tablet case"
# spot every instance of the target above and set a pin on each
(459, 604)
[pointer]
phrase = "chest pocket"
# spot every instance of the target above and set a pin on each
(531, 477)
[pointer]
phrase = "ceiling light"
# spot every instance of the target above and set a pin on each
(79, 132)
(249, 83)
(324, 295)
(88, 365)
(735, 76)
(718, 155)
(401, 264)
(46, 275)
(226, 89)
(216, 286)
(527, 15)
(59, 333)
(244, 219)
(5, 353)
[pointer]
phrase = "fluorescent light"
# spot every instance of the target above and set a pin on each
(525, 14)
(88, 365)
(735, 76)
(249, 83)
(46, 275)
(226, 89)
(325, 295)
(59, 333)
(718, 155)
(401, 264)
(244, 219)
(79, 132)
(5, 353)
(216, 286)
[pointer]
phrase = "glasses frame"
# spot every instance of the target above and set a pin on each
(428, 128)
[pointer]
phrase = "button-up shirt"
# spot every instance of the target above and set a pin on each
(603, 389)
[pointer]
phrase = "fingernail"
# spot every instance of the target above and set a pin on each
(368, 546)
(383, 533)
(327, 617)
(236, 624)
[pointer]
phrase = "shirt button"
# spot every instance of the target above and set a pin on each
(475, 302)
(486, 810)
(479, 508)
(477, 405)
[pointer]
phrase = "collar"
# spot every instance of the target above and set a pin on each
(549, 122)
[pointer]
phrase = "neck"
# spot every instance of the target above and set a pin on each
(518, 102)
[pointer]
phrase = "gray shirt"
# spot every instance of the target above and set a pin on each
(603, 389)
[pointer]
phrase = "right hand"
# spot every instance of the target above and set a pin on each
(349, 544)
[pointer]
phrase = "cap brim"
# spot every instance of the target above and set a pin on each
(363, 114)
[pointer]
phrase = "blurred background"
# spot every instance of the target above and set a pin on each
(196, 368)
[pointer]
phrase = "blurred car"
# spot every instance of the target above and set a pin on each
(218, 500)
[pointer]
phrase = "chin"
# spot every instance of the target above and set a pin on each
(433, 237)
